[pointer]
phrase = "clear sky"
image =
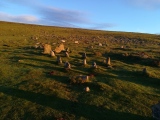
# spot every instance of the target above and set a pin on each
(113, 15)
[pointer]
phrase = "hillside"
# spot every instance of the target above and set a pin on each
(34, 87)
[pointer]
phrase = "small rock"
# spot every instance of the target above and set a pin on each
(87, 89)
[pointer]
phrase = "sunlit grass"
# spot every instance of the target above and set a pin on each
(34, 87)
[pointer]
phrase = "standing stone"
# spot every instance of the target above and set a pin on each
(145, 72)
(108, 61)
(47, 49)
(67, 49)
(94, 65)
(84, 56)
(84, 62)
(66, 54)
(59, 48)
(67, 65)
(59, 60)
(52, 53)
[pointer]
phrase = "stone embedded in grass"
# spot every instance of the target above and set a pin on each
(63, 41)
(87, 89)
(143, 55)
(79, 79)
(20, 60)
(59, 60)
(122, 47)
(100, 44)
(156, 111)
(76, 42)
(84, 56)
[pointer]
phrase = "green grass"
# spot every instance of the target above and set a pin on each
(28, 91)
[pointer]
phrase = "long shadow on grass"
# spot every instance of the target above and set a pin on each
(16, 58)
(62, 79)
(46, 67)
(60, 68)
(131, 59)
(136, 77)
(76, 108)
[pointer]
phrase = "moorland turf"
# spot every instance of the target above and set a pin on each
(34, 87)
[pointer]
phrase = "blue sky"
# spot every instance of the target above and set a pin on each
(113, 15)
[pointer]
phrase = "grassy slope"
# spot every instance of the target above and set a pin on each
(28, 92)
